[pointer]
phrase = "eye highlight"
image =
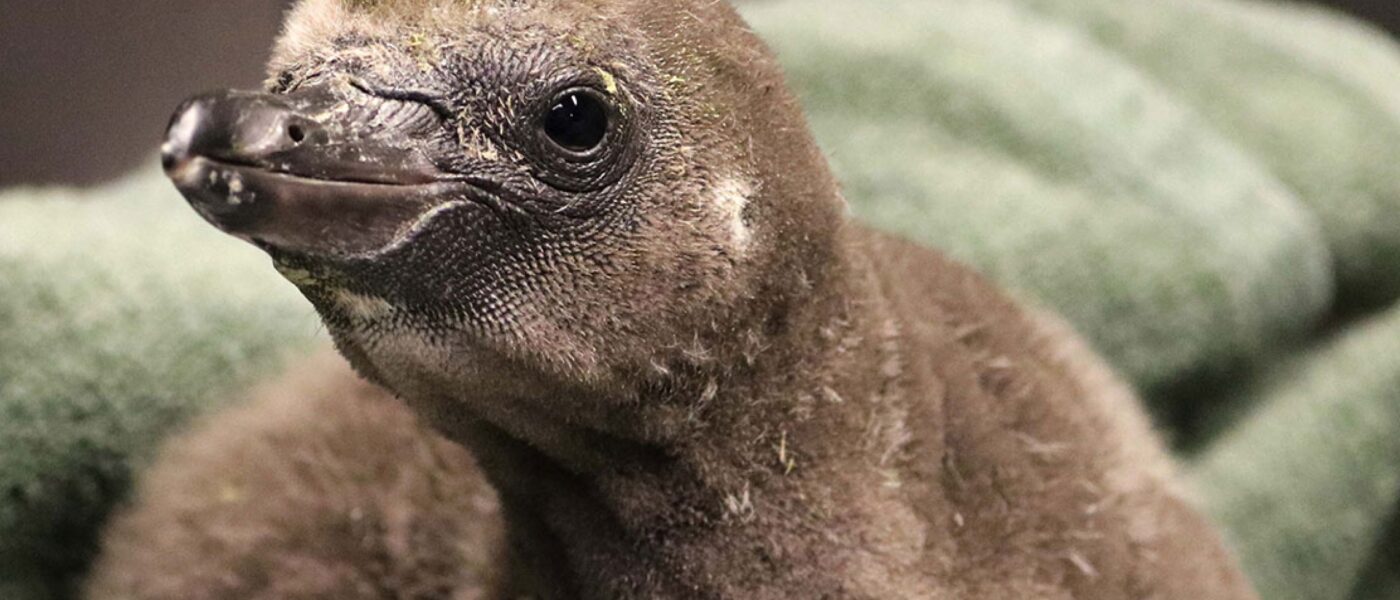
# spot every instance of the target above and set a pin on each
(580, 138)
(578, 120)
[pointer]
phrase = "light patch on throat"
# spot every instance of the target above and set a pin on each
(732, 196)
(360, 306)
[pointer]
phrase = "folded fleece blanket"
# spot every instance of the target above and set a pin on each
(1307, 477)
(1314, 96)
(1058, 168)
(1090, 154)
(121, 316)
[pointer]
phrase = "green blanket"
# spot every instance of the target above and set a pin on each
(121, 316)
(1200, 186)
(1315, 97)
(1307, 478)
(1061, 170)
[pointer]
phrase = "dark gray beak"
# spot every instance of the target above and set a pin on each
(328, 170)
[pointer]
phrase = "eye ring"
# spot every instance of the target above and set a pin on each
(578, 121)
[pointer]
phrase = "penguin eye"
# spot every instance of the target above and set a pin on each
(578, 120)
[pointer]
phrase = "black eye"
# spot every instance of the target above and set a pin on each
(577, 121)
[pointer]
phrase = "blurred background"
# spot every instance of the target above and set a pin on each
(86, 86)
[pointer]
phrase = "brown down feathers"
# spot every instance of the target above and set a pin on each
(320, 486)
(751, 398)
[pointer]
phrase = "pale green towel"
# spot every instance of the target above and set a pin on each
(121, 315)
(1313, 95)
(1032, 152)
(1307, 479)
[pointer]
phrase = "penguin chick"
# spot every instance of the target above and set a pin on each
(594, 242)
(322, 486)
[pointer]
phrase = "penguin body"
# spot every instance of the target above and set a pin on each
(595, 244)
(318, 486)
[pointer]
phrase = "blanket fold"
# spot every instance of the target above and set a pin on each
(1307, 480)
(1314, 96)
(121, 316)
(1056, 167)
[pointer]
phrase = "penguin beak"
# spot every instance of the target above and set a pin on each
(324, 171)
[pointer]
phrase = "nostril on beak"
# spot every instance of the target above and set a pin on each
(235, 127)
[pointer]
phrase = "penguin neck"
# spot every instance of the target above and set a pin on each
(674, 499)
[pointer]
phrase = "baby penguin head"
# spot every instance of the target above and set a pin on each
(469, 190)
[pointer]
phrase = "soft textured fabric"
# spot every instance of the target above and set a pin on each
(1313, 96)
(121, 315)
(1307, 478)
(1181, 179)
(1059, 169)
(1381, 579)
